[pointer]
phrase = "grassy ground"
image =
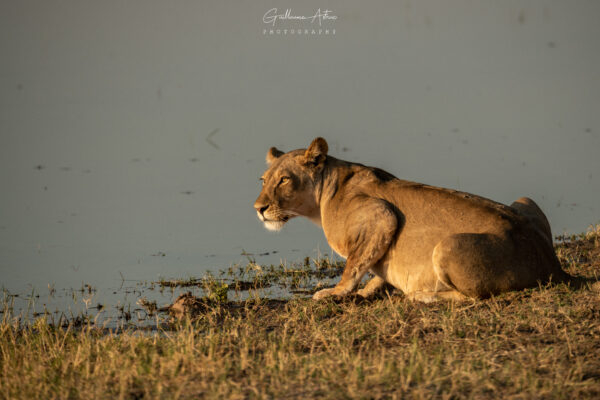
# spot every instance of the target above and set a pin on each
(539, 343)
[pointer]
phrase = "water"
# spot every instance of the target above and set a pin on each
(132, 135)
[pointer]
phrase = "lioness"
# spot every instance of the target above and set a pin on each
(431, 243)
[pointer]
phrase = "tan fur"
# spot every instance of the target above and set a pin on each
(429, 242)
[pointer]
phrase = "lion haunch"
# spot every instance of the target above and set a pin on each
(427, 241)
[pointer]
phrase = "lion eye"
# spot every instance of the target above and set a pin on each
(262, 181)
(284, 179)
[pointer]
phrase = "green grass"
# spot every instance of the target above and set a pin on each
(537, 343)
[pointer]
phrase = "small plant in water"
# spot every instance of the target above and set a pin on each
(215, 289)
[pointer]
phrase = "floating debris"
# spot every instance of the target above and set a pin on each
(188, 305)
(149, 306)
(209, 139)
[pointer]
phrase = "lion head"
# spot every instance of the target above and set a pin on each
(290, 184)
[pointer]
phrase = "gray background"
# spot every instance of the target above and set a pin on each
(106, 106)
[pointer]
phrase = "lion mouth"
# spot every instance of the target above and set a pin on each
(265, 219)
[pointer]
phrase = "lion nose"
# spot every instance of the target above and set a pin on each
(261, 209)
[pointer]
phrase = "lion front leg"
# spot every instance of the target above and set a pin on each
(369, 242)
(352, 275)
(372, 287)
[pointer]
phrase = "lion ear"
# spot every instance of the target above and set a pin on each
(273, 154)
(316, 152)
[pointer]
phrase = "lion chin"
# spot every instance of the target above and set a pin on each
(274, 225)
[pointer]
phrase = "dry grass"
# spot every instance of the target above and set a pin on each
(539, 343)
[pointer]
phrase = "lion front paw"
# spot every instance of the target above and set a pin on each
(321, 294)
(365, 293)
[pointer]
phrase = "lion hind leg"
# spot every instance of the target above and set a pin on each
(479, 265)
